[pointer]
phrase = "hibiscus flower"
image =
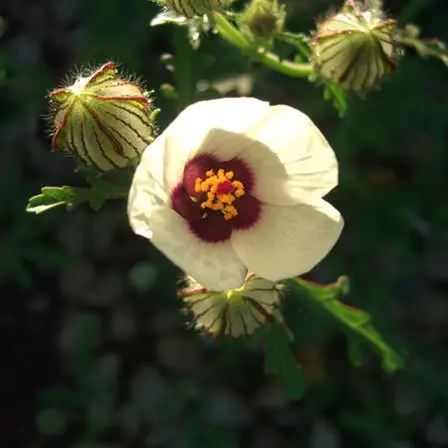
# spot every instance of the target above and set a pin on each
(235, 186)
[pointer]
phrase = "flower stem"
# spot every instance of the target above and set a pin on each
(231, 34)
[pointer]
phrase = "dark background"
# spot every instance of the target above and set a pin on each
(93, 350)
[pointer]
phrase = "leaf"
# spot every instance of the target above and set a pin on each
(280, 360)
(51, 197)
(336, 95)
(426, 48)
(300, 41)
(356, 322)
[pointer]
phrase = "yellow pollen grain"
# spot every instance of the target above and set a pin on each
(198, 185)
(229, 212)
(226, 198)
(219, 202)
(217, 206)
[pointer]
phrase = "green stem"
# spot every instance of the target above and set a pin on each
(231, 34)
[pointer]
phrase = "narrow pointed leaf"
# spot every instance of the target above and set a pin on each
(355, 322)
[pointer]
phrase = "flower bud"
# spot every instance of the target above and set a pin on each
(236, 312)
(264, 18)
(194, 8)
(104, 119)
(355, 48)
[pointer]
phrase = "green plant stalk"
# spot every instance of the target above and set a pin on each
(231, 35)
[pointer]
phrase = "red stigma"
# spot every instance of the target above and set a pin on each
(225, 188)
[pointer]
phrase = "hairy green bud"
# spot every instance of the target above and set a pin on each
(103, 119)
(235, 312)
(194, 8)
(355, 48)
(263, 18)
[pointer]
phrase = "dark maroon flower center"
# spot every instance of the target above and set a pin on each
(215, 197)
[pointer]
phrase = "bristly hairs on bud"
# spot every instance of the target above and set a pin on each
(356, 47)
(104, 118)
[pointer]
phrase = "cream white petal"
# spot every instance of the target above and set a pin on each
(185, 136)
(305, 166)
(147, 190)
(288, 241)
(215, 266)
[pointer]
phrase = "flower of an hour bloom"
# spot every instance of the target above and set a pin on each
(236, 185)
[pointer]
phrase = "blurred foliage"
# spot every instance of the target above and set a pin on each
(89, 318)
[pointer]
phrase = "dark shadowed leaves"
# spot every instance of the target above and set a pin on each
(280, 360)
(356, 323)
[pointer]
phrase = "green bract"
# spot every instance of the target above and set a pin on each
(236, 312)
(355, 48)
(102, 118)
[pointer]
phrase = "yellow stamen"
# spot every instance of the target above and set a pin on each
(198, 185)
(216, 201)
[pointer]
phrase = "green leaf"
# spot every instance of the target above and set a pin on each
(301, 42)
(355, 322)
(336, 95)
(51, 197)
(280, 360)
(426, 48)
